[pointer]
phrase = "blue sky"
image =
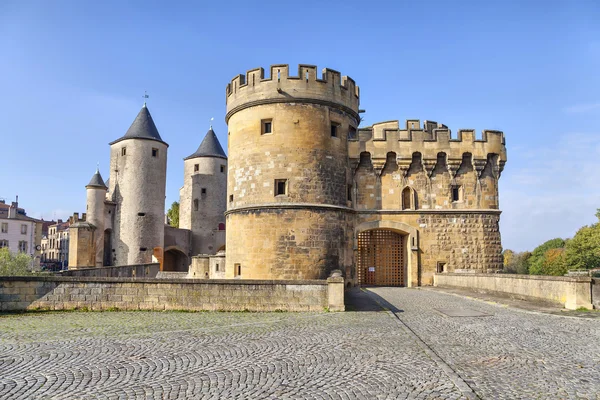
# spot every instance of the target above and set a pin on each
(72, 76)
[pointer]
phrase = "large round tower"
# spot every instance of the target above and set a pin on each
(288, 214)
(96, 196)
(202, 199)
(138, 170)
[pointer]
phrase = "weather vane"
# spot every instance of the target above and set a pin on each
(211, 120)
(145, 96)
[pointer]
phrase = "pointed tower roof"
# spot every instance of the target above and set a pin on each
(210, 147)
(142, 128)
(96, 181)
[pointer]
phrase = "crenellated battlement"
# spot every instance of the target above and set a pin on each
(254, 88)
(429, 139)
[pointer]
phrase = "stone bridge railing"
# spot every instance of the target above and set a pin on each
(571, 292)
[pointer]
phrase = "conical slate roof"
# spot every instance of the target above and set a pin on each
(210, 147)
(142, 128)
(96, 181)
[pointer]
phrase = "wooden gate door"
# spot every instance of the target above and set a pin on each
(380, 258)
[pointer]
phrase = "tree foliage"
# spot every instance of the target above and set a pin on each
(540, 264)
(516, 263)
(173, 215)
(14, 264)
(583, 251)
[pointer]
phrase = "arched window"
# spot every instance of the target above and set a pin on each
(410, 200)
(406, 195)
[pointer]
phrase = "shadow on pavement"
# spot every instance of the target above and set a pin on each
(362, 299)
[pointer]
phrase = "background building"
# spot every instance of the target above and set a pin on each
(20, 233)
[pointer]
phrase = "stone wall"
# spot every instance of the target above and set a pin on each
(288, 243)
(125, 271)
(459, 239)
(66, 293)
(571, 292)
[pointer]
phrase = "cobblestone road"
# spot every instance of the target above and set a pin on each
(414, 352)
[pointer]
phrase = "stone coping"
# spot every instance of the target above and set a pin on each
(86, 279)
(520, 276)
(109, 266)
(251, 207)
(433, 211)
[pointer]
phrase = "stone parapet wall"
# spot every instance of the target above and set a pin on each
(124, 271)
(67, 293)
(571, 292)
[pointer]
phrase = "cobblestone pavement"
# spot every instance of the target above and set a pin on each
(365, 354)
(511, 354)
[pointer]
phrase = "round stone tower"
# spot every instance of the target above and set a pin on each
(288, 214)
(96, 195)
(202, 199)
(138, 170)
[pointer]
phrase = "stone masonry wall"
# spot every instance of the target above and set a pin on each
(65, 293)
(462, 240)
(288, 243)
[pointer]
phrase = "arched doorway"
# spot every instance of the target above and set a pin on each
(175, 261)
(382, 258)
(108, 254)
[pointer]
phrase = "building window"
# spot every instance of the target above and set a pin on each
(23, 229)
(123, 151)
(456, 193)
(143, 249)
(349, 192)
(352, 133)
(216, 267)
(3, 243)
(230, 197)
(196, 167)
(154, 152)
(5, 227)
(222, 168)
(441, 267)
(267, 126)
(281, 187)
(203, 190)
(141, 214)
(221, 226)
(334, 130)
(22, 246)
(406, 195)
(237, 269)
(195, 204)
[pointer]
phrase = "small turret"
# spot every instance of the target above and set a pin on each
(203, 195)
(96, 194)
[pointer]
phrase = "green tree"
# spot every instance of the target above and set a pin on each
(555, 262)
(516, 263)
(537, 262)
(14, 264)
(583, 251)
(173, 215)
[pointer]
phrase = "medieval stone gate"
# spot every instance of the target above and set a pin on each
(381, 258)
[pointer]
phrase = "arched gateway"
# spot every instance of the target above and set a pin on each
(382, 258)
(385, 253)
